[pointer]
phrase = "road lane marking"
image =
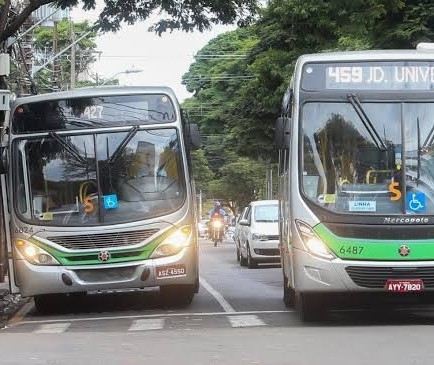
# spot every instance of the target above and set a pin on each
(53, 328)
(144, 316)
(217, 296)
(147, 324)
(245, 321)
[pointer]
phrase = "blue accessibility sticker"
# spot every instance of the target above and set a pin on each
(416, 202)
(110, 201)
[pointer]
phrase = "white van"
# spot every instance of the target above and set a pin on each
(260, 238)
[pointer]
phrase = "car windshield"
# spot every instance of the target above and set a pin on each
(266, 213)
(345, 169)
(104, 178)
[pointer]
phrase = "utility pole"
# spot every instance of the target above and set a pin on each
(55, 77)
(72, 60)
(200, 204)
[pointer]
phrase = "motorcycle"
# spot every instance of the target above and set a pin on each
(217, 229)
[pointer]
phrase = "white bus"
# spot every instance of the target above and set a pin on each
(99, 195)
(356, 188)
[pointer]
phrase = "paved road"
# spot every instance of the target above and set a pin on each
(237, 318)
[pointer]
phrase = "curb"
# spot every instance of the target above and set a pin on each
(10, 305)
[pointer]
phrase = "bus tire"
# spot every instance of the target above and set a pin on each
(251, 263)
(310, 307)
(177, 295)
(49, 303)
(288, 293)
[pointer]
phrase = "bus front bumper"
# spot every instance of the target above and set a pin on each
(180, 269)
(313, 274)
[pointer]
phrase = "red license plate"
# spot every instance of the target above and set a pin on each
(171, 271)
(404, 286)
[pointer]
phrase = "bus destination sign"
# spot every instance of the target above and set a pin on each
(369, 76)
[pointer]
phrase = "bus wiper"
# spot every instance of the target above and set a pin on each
(418, 152)
(355, 102)
(124, 143)
(429, 139)
(68, 147)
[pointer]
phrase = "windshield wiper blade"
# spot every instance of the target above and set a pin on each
(124, 143)
(68, 147)
(355, 102)
(418, 152)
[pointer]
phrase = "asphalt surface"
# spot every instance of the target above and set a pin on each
(238, 317)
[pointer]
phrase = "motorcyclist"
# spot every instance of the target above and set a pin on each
(216, 215)
(217, 210)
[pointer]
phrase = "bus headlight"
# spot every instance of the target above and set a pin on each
(34, 254)
(312, 242)
(174, 243)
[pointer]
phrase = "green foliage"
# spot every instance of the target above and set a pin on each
(84, 51)
(202, 172)
(238, 116)
(187, 15)
(241, 182)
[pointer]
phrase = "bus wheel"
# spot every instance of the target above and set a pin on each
(288, 293)
(177, 295)
(310, 307)
(251, 263)
(49, 303)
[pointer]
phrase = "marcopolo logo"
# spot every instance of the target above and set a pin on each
(413, 220)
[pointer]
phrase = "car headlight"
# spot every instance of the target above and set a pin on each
(34, 254)
(312, 242)
(174, 243)
(259, 237)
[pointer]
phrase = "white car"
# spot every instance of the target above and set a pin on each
(238, 232)
(260, 234)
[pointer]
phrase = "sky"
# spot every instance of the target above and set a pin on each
(162, 59)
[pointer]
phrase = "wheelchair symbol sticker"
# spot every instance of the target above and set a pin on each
(110, 201)
(416, 202)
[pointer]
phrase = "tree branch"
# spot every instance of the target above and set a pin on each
(4, 14)
(21, 18)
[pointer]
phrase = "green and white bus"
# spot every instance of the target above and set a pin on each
(356, 188)
(98, 194)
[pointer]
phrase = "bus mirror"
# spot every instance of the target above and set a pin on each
(282, 132)
(3, 160)
(193, 136)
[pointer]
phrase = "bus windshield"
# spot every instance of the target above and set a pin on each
(99, 178)
(346, 169)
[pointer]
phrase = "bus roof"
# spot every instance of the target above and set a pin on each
(96, 91)
(371, 55)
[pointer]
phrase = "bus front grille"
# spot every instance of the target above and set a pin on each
(103, 240)
(376, 277)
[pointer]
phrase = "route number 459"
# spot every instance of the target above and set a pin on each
(351, 250)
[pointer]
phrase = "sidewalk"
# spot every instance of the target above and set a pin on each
(9, 303)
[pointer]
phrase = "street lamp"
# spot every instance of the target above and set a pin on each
(132, 71)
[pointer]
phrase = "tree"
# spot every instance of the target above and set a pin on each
(241, 182)
(84, 51)
(186, 15)
(202, 173)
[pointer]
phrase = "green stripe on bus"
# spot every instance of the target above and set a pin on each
(91, 257)
(374, 249)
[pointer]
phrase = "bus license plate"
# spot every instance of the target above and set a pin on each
(171, 271)
(404, 286)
